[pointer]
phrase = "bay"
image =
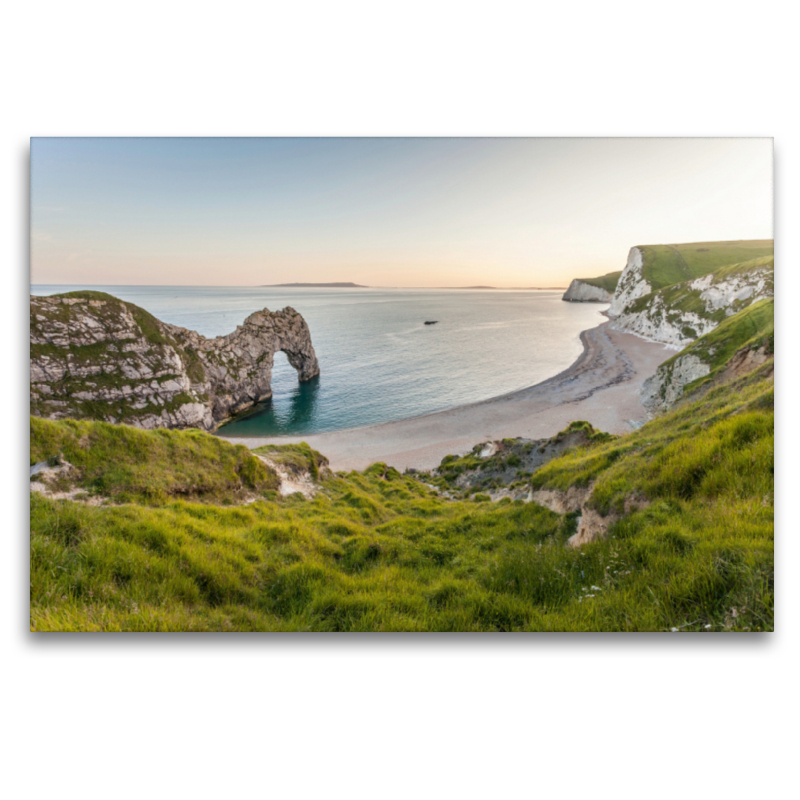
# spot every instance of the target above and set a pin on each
(379, 362)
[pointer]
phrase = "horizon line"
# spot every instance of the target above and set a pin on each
(284, 286)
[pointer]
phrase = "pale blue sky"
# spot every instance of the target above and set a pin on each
(383, 212)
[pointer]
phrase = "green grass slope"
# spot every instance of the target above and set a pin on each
(753, 328)
(128, 464)
(608, 281)
(382, 551)
(295, 458)
(666, 264)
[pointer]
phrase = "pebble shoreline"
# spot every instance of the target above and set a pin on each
(602, 386)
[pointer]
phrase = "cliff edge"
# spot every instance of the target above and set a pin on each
(592, 290)
(93, 356)
(675, 294)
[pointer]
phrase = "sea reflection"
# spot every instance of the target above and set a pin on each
(302, 406)
(293, 411)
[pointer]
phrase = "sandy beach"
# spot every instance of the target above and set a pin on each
(602, 386)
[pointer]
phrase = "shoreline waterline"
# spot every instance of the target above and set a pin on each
(602, 386)
(380, 362)
(289, 438)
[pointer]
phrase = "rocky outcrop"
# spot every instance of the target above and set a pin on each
(592, 525)
(666, 387)
(732, 292)
(94, 356)
(662, 390)
(744, 362)
(679, 314)
(581, 292)
(658, 321)
(562, 502)
(502, 468)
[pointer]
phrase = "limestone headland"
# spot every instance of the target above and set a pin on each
(94, 356)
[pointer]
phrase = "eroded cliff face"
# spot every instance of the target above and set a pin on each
(679, 314)
(94, 356)
(582, 292)
(592, 525)
(632, 284)
(663, 389)
(659, 322)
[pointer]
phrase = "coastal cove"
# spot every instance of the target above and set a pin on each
(378, 360)
(602, 386)
(302, 450)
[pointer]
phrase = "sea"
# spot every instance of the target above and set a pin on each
(378, 359)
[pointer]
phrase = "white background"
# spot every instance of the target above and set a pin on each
(654, 716)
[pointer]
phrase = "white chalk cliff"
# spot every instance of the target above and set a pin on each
(681, 313)
(581, 292)
(631, 285)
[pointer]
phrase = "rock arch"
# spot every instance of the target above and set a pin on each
(248, 356)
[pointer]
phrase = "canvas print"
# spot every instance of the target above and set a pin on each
(380, 384)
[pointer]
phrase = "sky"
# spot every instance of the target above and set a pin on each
(380, 211)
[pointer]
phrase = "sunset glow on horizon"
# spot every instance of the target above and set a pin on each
(382, 212)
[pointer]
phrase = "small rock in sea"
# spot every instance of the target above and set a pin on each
(431, 321)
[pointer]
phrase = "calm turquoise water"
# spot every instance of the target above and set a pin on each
(378, 360)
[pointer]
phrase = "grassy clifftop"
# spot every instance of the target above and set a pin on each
(666, 264)
(608, 282)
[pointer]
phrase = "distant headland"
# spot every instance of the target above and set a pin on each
(510, 288)
(349, 285)
(314, 286)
